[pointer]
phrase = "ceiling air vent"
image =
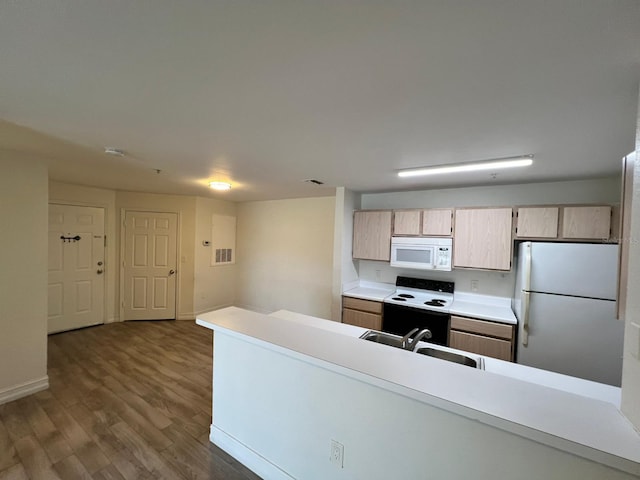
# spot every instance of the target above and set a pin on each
(314, 181)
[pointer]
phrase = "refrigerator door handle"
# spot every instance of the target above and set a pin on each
(526, 274)
(525, 318)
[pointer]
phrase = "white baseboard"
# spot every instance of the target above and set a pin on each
(186, 316)
(250, 459)
(22, 390)
(112, 320)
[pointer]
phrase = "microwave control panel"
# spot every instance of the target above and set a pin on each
(443, 256)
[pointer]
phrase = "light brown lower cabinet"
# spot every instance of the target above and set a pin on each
(362, 313)
(490, 339)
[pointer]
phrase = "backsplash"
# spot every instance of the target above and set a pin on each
(499, 284)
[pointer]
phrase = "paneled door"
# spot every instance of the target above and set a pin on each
(150, 271)
(76, 267)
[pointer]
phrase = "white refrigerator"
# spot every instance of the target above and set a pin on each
(565, 302)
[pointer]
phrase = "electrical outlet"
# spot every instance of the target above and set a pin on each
(474, 285)
(336, 455)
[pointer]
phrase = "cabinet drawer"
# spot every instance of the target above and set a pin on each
(483, 328)
(489, 347)
(360, 304)
(362, 319)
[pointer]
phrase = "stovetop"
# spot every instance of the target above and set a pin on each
(422, 293)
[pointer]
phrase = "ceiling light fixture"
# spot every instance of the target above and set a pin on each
(220, 185)
(509, 162)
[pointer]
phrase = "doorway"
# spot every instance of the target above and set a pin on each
(149, 267)
(76, 267)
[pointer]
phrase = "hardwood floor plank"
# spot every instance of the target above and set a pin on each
(72, 468)
(34, 459)
(108, 473)
(15, 422)
(46, 432)
(97, 424)
(8, 454)
(144, 452)
(84, 447)
(17, 472)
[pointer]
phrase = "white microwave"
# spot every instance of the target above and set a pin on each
(421, 253)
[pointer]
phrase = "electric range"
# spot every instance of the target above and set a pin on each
(419, 303)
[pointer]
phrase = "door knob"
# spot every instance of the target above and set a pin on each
(99, 271)
(172, 271)
(99, 264)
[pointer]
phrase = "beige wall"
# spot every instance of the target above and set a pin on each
(345, 269)
(631, 362)
(23, 277)
(214, 287)
(69, 194)
(185, 207)
(285, 255)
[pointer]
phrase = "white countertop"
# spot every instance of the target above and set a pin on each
(484, 307)
(584, 426)
(370, 291)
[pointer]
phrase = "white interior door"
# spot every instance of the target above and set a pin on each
(150, 258)
(76, 267)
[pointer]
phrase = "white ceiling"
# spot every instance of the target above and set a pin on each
(267, 93)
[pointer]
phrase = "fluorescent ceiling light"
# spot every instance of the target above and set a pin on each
(220, 185)
(522, 161)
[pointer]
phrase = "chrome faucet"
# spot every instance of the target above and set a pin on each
(411, 344)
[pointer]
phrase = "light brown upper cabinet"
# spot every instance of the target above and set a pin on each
(406, 222)
(586, 222)
(483, 238)
(372, 234)
(437, 222)
(537, 222)
(431, 222)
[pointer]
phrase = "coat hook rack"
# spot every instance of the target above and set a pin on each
(70, 239)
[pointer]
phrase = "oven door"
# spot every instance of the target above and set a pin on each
(400, 320)
(413, 256)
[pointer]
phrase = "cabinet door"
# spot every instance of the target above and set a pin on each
(437, 222)
(406, 222)
(537, 222)
(586, 222)
(371, 321)
(483, 238)
(489, 347)
(372, 235)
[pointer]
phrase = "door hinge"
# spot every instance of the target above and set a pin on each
(105, 240)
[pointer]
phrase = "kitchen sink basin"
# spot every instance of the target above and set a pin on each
(449, 356)
(442, 353)
(384, 338)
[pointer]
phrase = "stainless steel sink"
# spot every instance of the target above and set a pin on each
(384, 338)
(449, 356)
(443, 353)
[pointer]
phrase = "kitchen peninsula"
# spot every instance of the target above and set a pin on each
(286, 385)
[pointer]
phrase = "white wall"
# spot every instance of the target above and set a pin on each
(631, 362)
(185, 207)
(345, 269)
(288, 410)
(23, 276)
(96, 197)
(285, 255)
(603, 190)
(214, 286)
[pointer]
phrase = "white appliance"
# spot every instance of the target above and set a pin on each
(421, 253)
(419, 303)
(565, 302)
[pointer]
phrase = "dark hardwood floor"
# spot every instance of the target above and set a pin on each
(127, 401)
